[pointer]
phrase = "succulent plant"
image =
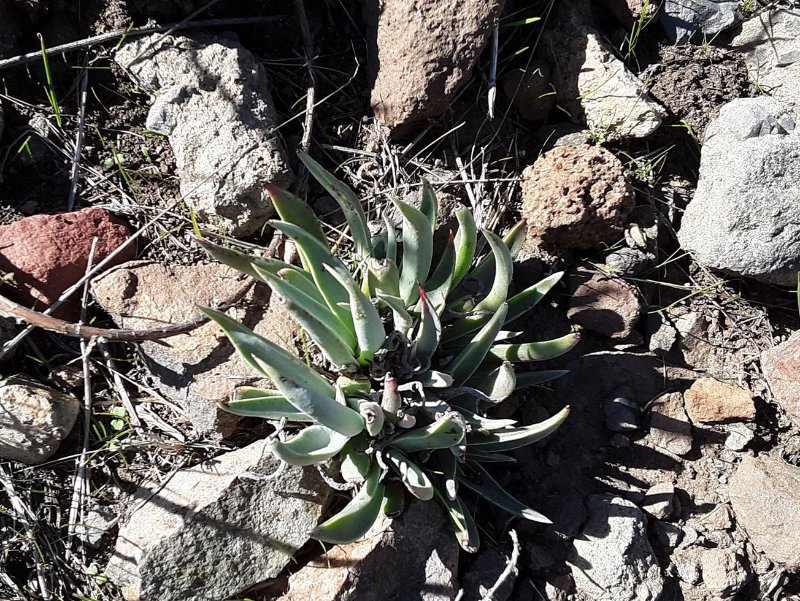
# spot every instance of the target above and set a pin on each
(414, 358)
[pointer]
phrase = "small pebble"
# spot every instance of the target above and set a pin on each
(739, 436)
(622, 413)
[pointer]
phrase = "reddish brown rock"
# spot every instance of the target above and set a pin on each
(46, 254)
(781, 365)
(710, 401)
(422, 53)
(605, 304)
(576, 197)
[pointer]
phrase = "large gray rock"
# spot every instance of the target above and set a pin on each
(594, 87)
(211, 98)
(414, 557)
(765, 495)
(744, 217)
(698, 19)
(422, 54)
(213, 530)
(770, 42)
(612, 559)
(34, 419)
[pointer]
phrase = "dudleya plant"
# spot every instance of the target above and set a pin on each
(415, 356)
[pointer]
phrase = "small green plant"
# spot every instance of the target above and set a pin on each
(414, 358)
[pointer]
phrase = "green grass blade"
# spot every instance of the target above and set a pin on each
(417, 251)
(348, 201)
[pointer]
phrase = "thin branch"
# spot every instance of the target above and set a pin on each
(133, 32)
(510, 571)
(308, 49)
(76, 157)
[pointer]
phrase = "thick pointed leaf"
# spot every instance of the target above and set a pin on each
(293, 209)
(440, 283)
(430, 330)
(445, 432)
(241, 261)
(391, 241)
(463, 524)
(465, 243)
(303, 281)
(435, 379)
(521, 303)
(470, 358)
(335, 339)
(373, 417)
(366, 319)
(413, 476)
(383, 277)
(417, 250)
(348, 201)
(504, 267)
(279, 361)
(402, 318)
(479, 422)
(535, 351)
(429, 205)
(394, 499)
(313, 444)
(478, 480)
(318, 255)
(447, 466)
(534, 378)
(514, 438)
(352, 522)
(497, 384)
(481, 277)
(485, 457)
(355, 465)
(247, 401)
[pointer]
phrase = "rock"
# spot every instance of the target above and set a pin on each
(613, 558)
(213, 530)
(710, 401)
(765, 495)
(561, 134)
(663, 333)
(628, 12)
(46, 254)
(721, 518)
(683, 20)
(739, 436)
(724, 572)
(628, 261)
(422, 54)
(622, 412)
(693, 82)
(605, 304)
(576, 197)
(669, 535)
(484, 573)
(770, 42)
(658, 501)
(594, 87)
(687, 564)
(781, 367)
(211, 99)
(744, 217)
(530, 90)
(95, 525)
(414, 556)
(34, 419)
(669, 427)
(201, 367)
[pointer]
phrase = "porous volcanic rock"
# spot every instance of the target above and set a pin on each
(46, 254)
(422, 53)
(34, 419)
(576, 197)
(211, 98)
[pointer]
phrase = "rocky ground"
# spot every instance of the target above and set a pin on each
(652, 149)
